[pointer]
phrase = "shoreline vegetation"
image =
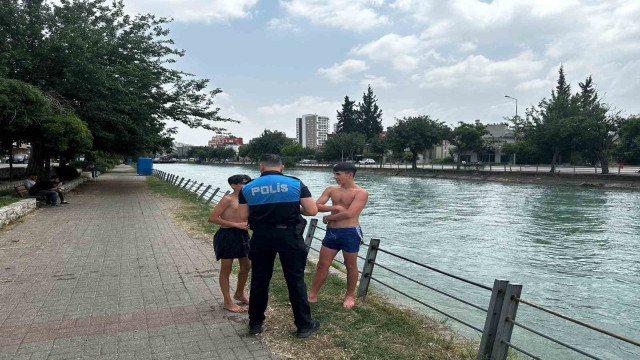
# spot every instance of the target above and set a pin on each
(607, 181)
(376, 328)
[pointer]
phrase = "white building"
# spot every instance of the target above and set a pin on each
(311, 130)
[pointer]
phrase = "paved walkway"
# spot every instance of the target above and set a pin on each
(111, 276)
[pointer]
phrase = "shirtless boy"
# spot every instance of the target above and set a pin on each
(230, 242)
(343, 229)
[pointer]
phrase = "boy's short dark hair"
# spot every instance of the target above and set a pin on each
(33, 174)
(271, 159)
(345, 167)
(52, 177)
(238, 179)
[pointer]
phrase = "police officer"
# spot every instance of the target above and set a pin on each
(273, 204)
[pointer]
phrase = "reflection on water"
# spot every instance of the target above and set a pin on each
(574, 250)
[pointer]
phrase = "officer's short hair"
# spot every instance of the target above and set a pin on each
(238, 179)
(345, 167)
(271, 160)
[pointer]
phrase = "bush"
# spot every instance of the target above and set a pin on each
(447, 160)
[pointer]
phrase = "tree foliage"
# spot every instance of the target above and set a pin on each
(343, 146)
(269, 142)
(369, 115)
(628, 145)
(416, 133)
(113, 69)
(467, 137)
(348, 121)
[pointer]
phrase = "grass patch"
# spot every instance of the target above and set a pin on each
(194, 213)
(373, 329)
(7, 201)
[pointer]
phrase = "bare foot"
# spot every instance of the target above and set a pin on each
(349, 301)
(234, 308)
(312, 298)
(242, 298)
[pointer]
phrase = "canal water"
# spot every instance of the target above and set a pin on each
(574, 250)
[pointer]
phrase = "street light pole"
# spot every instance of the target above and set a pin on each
(510, 97)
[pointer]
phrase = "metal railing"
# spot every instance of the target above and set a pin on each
(504, 297)
(208, 193)
(501, 312)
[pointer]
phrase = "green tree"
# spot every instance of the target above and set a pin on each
(417, 134)
(348, 118)
(65, 135)
(467, 137)
(270, 142)
(369, 115)
(378, 147)
(115, 70)
(22, 108)
(628, 146)
(343, 146)
(597, 124)
(509, 149)
(553, 125)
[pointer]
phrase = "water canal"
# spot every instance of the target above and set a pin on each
(575, 250)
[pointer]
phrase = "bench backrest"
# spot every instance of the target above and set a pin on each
(22, 191)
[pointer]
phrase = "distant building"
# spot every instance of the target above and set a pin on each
(311, 130)
(180, 150)
(222, 140)
(499, 134)
(335, 128)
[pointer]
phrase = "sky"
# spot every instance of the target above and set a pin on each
(453, 60)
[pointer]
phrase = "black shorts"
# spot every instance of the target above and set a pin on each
(231, 243)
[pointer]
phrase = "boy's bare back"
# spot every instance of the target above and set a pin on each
(227, 209)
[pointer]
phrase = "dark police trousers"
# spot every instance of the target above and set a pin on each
(265, 243)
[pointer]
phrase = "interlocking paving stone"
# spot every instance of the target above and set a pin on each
(111, 276)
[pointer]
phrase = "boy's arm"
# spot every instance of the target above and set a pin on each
(354, 209)
(322, 200)
(219, 210)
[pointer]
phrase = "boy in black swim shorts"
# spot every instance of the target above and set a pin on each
(230, 242)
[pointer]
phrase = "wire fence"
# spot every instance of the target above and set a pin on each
(503, 302)
(500, 314)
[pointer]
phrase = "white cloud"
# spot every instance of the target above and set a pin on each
(343, 72)
(376, 81)
(283, 24)
(355, 15)
(194, 10)
(479, 69)
(402, 51)
(468, 46)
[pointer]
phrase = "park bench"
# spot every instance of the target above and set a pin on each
(24, 194)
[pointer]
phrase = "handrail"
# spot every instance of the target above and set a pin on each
(432, 288)
(436, 270)
(520, 350)
(576, 321)
(427, 305)
(552, 339)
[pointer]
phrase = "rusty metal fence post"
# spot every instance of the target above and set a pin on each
(313, 224)
(493, 317)
(505, 326)
(367, 268)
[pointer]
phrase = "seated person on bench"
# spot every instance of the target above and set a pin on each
(43, 188)
(57, 185)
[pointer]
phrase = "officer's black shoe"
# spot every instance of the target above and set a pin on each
(306, 332)
(255, 329)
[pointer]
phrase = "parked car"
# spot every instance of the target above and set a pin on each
(367, 161)
(308, 161)
(20, 158)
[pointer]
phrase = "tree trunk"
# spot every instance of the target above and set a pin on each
(36, 159)
(459, 161)
(414, 160)
(10, 160)
(554, 160)
(604, 161)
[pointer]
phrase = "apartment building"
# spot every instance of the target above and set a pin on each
(311, 130)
